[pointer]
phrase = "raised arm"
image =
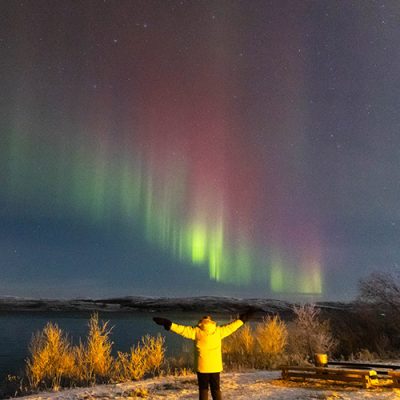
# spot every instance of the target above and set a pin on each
(228, 329)
(187, 332)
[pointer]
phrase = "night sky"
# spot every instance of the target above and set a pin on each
(236, 148)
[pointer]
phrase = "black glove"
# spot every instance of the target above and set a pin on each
(166, 323)
(246, 315)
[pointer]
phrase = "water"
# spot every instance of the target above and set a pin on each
(16, 329)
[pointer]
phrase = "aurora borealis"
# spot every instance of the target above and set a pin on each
(186, 147)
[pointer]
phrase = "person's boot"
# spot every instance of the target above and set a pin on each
(216, 395)
(203, 394)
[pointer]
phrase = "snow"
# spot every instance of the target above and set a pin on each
(235, 385)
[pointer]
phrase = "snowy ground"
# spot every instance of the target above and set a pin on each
(237, 386)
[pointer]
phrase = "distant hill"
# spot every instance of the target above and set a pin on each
(206, 304)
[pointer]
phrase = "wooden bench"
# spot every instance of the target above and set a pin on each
(362, 376)
(395, 376)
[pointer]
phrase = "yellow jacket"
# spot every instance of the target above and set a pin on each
(207, 338)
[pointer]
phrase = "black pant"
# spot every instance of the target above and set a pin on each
(209, 379)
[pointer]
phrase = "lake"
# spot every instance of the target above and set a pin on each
(16, 329)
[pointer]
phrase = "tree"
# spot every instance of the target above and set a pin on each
(308, 334)
(381, 288)
(379, 300)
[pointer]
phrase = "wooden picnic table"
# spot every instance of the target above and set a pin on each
(381, 369)
(395, 376)
(363, 376)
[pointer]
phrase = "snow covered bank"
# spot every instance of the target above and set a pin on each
(235, 386)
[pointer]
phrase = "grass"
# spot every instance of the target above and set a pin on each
(260, 347)
(94, 362)
(52, 358)
(146, 357)
(54, 362)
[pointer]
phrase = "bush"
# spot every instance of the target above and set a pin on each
(146, 357)
(239, 348)
(271, 337)
(364, 355)
(155, 347)
(13, 386)
(183, 363)
(308, 335)
(51, 362)
(54, 362)
(262, 347)
(93, 359)
(379, 301)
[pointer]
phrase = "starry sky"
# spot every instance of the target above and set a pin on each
(174, 148)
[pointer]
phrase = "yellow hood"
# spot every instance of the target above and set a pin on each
(207, 325)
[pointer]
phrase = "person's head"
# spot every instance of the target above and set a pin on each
(205, 319)
(207, 324)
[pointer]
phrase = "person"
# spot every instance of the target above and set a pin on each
(207, 337)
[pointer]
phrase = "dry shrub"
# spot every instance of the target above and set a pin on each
(367, 326)
(181, 364)
(51, 360)
(240, 342)
(54, 362)
(93, 359)
(262, 347)
(14, 386)
(271, 338)
(238, 348)
(130, 365)
(146, 357)
(309, 335)
(245, 340)
(364, 355)
(155, 347)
